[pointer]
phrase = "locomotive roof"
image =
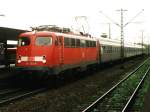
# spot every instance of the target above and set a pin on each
(76, 36)
(69, 35)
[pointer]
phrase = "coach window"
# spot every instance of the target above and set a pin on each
(43, 41)
(23, 41)
(104, 49)
(113, 49)
(107, 49)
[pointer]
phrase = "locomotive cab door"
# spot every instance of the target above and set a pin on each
(59, 44)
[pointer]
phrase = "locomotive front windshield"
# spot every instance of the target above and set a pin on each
(43, 41)
(23, 41)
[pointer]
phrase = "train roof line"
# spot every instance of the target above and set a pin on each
(70, 35)
(107, 41)
(77, 36)
(55, 28)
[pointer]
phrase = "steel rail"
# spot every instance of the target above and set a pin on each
(135, 91)
(8, 91)
(22, 96)
(90, 107)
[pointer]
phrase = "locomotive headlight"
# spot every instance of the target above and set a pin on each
(44, 59)
(19, 61)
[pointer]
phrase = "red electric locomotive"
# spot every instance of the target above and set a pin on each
(55, 50)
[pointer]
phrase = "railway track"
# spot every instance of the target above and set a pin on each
(120, 96)
(11, 90)
(10, 95)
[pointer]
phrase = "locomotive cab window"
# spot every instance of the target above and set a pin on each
(43, 41)
(23, 41)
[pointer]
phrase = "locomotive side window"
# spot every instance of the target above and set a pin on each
(94, 44)
(23, 41)
(43, 41)
(72, 42)
(67, 42)
(83, 43)
(87, 43)
(77, 42)
(90, 43)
